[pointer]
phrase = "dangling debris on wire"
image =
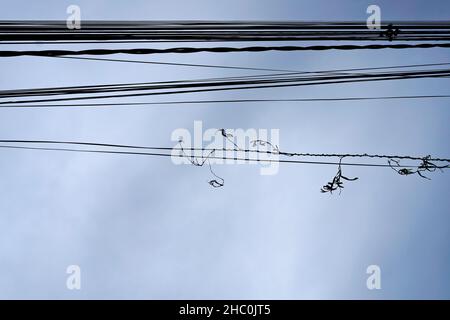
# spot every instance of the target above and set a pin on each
(263, 143)
(214, 182)
(427, 164)
(195, 162)
(336, 183)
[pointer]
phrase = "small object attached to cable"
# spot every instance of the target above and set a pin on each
(391, 32)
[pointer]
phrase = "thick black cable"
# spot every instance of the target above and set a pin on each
(147, 51)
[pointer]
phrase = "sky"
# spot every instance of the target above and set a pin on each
(144, 228)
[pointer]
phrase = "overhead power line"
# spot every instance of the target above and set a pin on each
(255, 150)
(223, 31)
(208, 85)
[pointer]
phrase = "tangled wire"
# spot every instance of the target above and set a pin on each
(425, 166)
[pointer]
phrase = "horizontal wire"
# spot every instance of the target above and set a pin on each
(290, 154)
(266, 76)
(54, 53)
(253, 79)
(209, 157)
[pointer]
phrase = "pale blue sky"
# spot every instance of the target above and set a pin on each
(145, 228)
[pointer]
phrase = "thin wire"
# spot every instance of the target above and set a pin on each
(177, 64)
(251, 68)
(222, 101)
